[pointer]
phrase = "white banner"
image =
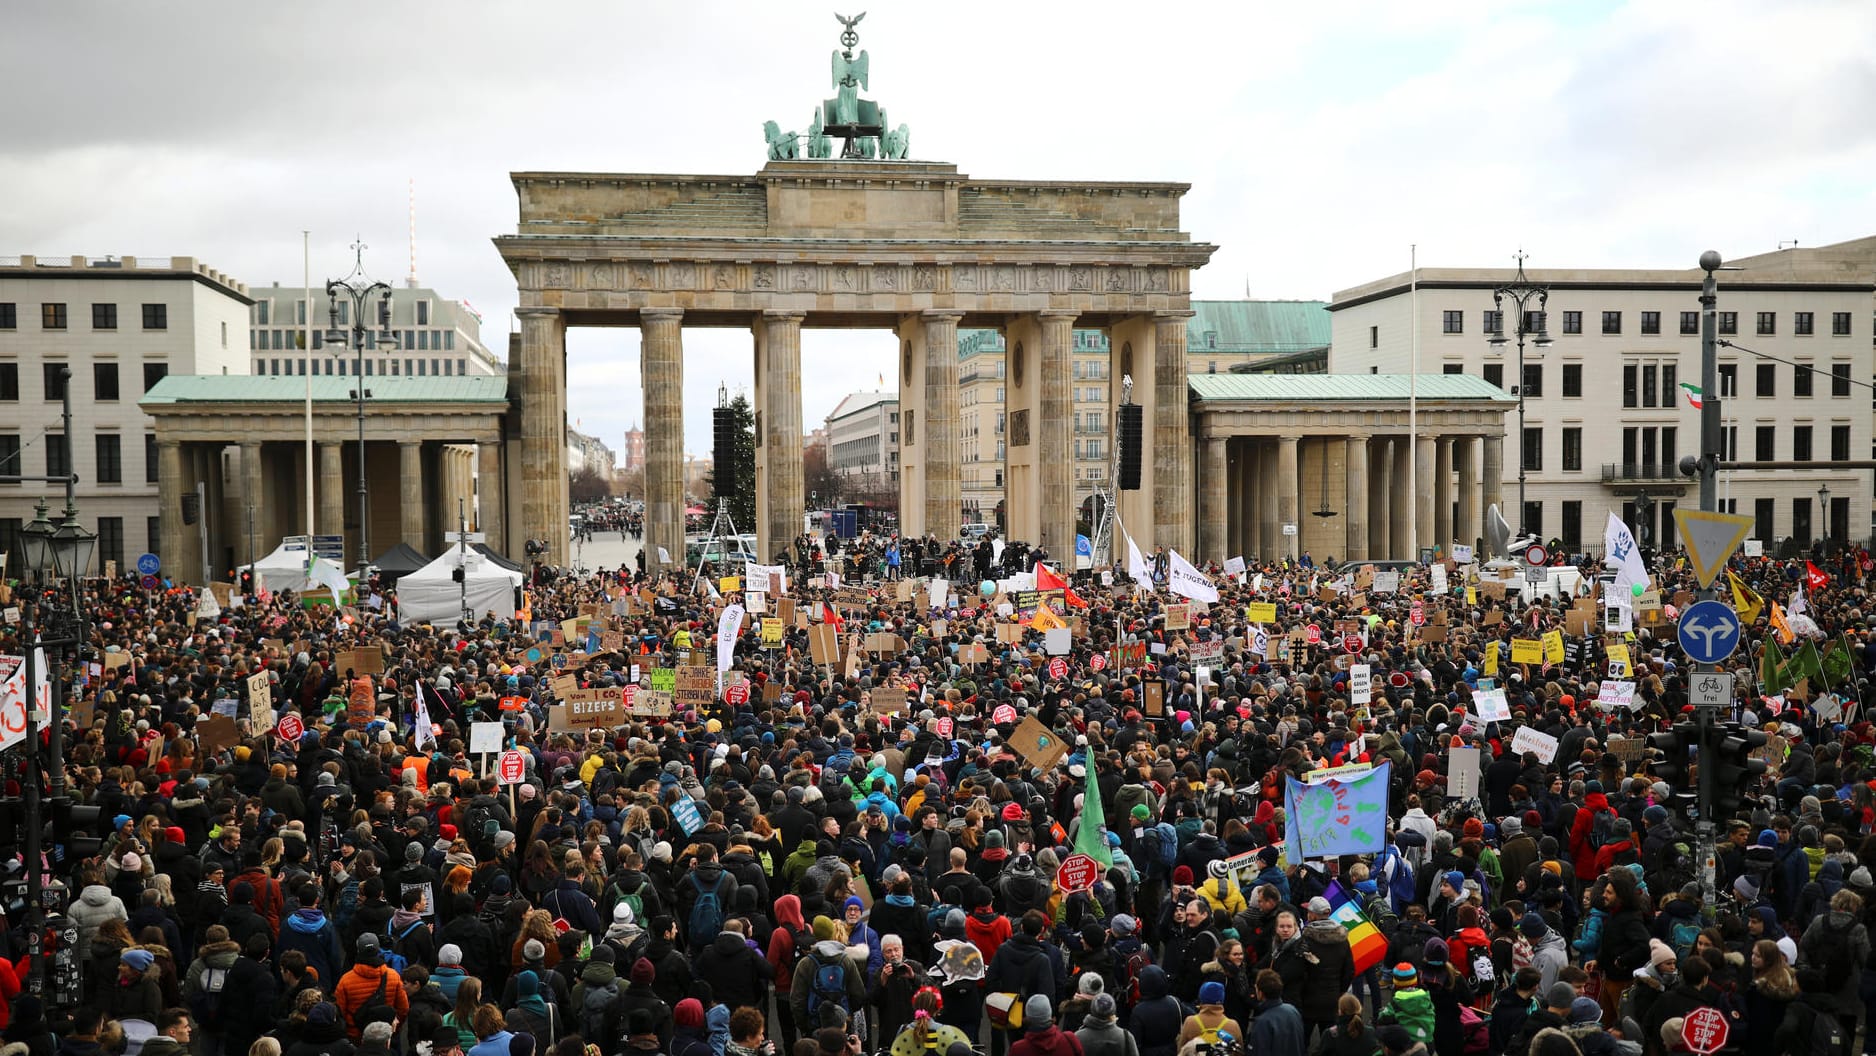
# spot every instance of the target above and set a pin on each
(1491, 705)
(1437, 578)
(759, 576)
(1620, 551)
(937, 591)
(1386, 582)
(1535, 741)
(1260, 641)
(1462, 554)
(1615, 693)
(1187, 581)
(1462, 773)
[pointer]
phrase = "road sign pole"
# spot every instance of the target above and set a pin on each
(1711, 450)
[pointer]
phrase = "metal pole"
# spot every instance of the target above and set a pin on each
(462, 554)
(364, 532)
(306, 266)
(35, 887)
(1706, 828)
(1523, 529)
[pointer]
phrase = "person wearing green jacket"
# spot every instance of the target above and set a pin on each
(1410, 1007)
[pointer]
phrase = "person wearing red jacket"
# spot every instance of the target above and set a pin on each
(1584, 855)
(1622, 847)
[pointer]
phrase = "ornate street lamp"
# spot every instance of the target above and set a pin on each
(1521, 291)
(72, 545)
(359, 337)
(36, 543)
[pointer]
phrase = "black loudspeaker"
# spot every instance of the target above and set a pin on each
(1131, 435)
(723, 421)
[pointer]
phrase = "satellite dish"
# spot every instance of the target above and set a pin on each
(1497, 533)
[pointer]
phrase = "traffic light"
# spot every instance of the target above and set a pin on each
(74, 827)
(1132, 439)
(1674, 744)
(1735, 772)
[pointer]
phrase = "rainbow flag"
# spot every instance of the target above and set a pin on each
(1364, 939)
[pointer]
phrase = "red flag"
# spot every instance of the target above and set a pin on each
(1047, 580)
(828, 615)
(1814, 577)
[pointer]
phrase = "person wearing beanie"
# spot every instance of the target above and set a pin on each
(1517, 848)
(136, 992)
(1553, 1014)
(1411, 1007)
(1041, 1035)
(691, 1037)
(638, 1002)
(1100, 1033)
(1548, 954)
(1621, 848)
(1592, 827)
(810, 995)
(1210, 1020)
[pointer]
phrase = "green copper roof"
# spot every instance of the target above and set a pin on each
(1346, 388)
(1257, 326)
(236, 388)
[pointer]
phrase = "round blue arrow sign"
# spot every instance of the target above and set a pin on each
(1709, 631)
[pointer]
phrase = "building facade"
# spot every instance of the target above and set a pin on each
(120, 325)
(588, 452)
(436, 336)
(632, 452)
(863, 437)
(1607, 413)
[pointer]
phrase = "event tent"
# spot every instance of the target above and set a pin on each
(281, 570)
(432, 595)
(397, 562)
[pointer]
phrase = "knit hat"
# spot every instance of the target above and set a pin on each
(1533, 926)
(1182, 875)
(1745, 888)
(533, 952)
(1123, 925)
(1659, 953)
(521, 1044)
(138, 959)
(1267, 856)
(413, 851)
(132, 862)
(1038, 1014)
(604, 954)
(1212, 993)
(1141, 811)
(1103, 1006)
(1394, 1038)
(1560, 995)
(1510, 827)
(1089, 984)
(853, 902)
(1455, 880)
(1860, 876)
(449, 954)
(689, 1013)
(1585, 1010)
(1406, 975)
(1533, 820)
(823, 929)
(1473, 829)
(324, 1013)
(1435, 954)
(643, 972)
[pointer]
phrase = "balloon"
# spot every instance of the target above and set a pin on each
(988, 588)
(1638, 589)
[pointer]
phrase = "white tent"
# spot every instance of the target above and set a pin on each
(281, 570)
(432, 595)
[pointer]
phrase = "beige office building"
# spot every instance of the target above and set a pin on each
(1607, 415)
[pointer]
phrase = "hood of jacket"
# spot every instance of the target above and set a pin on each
(1596, 801)
(598, 974)
(1325, 933)
(97, 896)
(728, 943)
(1153, 982)
(219, 955)
(788, 912)
(307, 921)
(828, 949)
(1552, 940)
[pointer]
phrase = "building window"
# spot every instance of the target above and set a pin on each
(1534, 448)
(1631, 390)
(153, 535)
(10, 382)
(153, 373)
(1729, 440)
(1767, 386)
(1690, 322)
(1768, 323)
(1374, 337)
(1839, 321)
(1651, 322)
(1801, 443)
(54, 374)
(1571, 530)
(1573, 448)
(10, 454)
(10, 316)
(1573, 322)
(104, 382)
(1493, 321)
(261, 310)
(1839, 443)
(1801, 521)
(1801, 324)
(1765, 443)
(111, 541)
(110, 459)
(1533, 381)
(1494, 373)
(1729, 380)
(1762, 519)
(1534, 517)
(1801, 380)
(156, 317)
(51, 316)
(1729, 322)
(58, 457)
(104, 317)
(423, 313)
(149, 458)
(1453, 321)
(1452, 368)
(1650, 395)
(1840, 379)
(1669, 397)
(449, 341)
(1612, 322)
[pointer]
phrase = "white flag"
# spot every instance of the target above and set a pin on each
(1620, 551)
(328, 575)
(422, 735)
(1797, 606)
(728, 627)
(1189, 582)
(1136, 564)
(1260, 640)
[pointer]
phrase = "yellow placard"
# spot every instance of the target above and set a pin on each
(730, 584)
(1553, 647)
(1472, 595)
(1261, 612)
(1527, 651)
(1491, 658)
(771, 630)
(1618, 654)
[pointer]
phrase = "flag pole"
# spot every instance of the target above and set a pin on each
(1413, 400)
(306, 338)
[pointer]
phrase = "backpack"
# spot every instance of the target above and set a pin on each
(633, 899)
(1682, 934)
(1477, 1028)
(1601, 829)
(1167, 839)
(706, 914)
(205, 1006)
(1483, 970)
(1397, 875)
(376, 1008)
(481, 815)
(395, 960)
(1382, 916)
(1826, 1034)
(1834, 956)
(595, 1002)
(1137, 962)
(829, 983)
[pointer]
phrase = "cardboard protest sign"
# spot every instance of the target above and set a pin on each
(369, 661)
(1627, 749)
(1537, 742)
(889, 700)
(824, 644)
(1462, 773)
(651, 703)
(1491, 705)
(1527, 651)
(1178, 617)
(1041, 747)
(260, 701)
(696, 687)
(216, 733)
(974, 653)
(1155, 702)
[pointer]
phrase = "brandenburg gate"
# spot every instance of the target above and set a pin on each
(865, 239)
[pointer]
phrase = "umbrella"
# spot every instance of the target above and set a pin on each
(695, 511)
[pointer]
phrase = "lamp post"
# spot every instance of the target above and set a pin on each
(1521, 291)
(355, 288)
(1823, 514)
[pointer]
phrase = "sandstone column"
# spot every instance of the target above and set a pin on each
(1442, 493)
(253, 503)
(1492, 486)
(1288, 497)
(663, 366)
(1381, 511)
(1401, 503)
(171, 486)
(1056, 471)
(410, 492)
(1355, 516)
(1243, 505)
(1214, 498)
(1424, 498)
(781, 427)
(1269, 530)
(938, 433)
(1172, 442)
(491, 487)
(332, 489)
(1466, 468)
(544, 501)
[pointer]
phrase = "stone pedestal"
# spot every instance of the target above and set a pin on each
(663, 365)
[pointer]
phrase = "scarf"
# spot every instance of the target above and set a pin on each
(528, 989)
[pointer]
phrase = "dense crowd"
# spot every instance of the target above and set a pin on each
(810, 871)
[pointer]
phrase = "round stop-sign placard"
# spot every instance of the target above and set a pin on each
(1315, 634)
(1058, 669)
(1351, 643)
(1398, 679)
(1078, 873)
(736, 693)
(1003, 713)
(512, 767)
(290, 727)
(1417, 615)
(1704, 1030)
(1098, 661)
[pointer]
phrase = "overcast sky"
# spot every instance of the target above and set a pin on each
(1320, 139)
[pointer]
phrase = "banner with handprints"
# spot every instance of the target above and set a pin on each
(1343, 815)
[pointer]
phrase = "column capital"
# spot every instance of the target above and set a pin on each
(410, 443)
(1169, 313)
(1058, 313)
(938, 315)
(660, 313)
(537, 312)
(779, 315)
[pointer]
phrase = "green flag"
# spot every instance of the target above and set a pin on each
(1090, 839)
(1772, 674)
(1837, 664)
(1805, 663)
